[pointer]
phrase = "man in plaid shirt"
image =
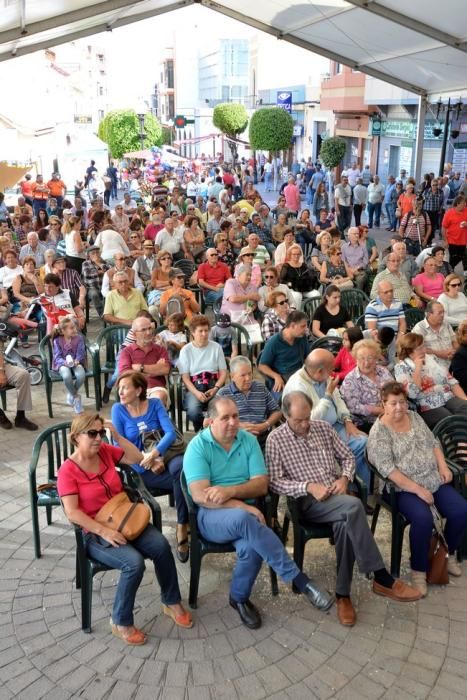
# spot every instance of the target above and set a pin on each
(92, 273)
(301, 457)
(433, 204)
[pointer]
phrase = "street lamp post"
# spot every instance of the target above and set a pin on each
(449, 108)
(142, 134)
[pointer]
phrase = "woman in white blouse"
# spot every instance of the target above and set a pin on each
(453, 300)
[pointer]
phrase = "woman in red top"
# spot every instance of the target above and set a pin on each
(454, 231)
(345, 361)
(86, 481)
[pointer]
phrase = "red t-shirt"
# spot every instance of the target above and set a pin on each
(151, 231)
(93, 490)
(452, 223)
(214, 275)
(134, 355)
(228, 179)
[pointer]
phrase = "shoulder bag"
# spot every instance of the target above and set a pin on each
(438, 554)
(151, 438)
(125, 516)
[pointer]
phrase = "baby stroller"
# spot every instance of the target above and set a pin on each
(11, 327)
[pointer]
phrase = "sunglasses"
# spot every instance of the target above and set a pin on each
(166, 257)
(456, 284)
(248, 255)
(94, 433)
(213, 255)
(269, 277)
(281, 303)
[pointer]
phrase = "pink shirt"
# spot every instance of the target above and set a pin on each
(292, 197)
(233, 288)
(431, 287)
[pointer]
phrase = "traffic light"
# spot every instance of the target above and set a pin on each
(180, 121)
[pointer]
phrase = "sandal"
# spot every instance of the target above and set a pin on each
(136, 638)
(184, 620)
(183, 556)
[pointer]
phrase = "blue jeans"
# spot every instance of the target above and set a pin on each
(374, 210)
(391, 214)
(358, 446)
(450, 504)
(129, 559)
(112, 379)
(211, 296)
(195, 409)
(170, 479)
(73, 378)
(253, 543)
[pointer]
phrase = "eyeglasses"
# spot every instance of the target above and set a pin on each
(146, 329)
(281, 303)
(269, 277)
(94, 433)
(213, 255)
(248, 255)
(222, 240)
(456, 284)
(165, 257)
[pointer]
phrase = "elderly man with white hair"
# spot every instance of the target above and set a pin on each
(33, 248)
(407, 265)
(355, 256)
(258, 410)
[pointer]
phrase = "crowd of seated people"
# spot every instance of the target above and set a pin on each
(254, 266)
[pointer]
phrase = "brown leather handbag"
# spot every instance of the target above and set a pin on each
(438, 554)
(125, 516)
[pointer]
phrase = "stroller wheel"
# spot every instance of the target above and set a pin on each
(35, 374)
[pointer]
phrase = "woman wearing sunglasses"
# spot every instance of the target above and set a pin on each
(453, 300)
(87, 480)
(271, 284)
(276, 315)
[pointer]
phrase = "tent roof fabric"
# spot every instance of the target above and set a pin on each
(419, 46)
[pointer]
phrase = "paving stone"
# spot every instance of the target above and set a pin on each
(251, 660)
(199, 694)
(273, 679)
(123, 691)
(177, 674)
(249, 686)
(36, 690)
(98, 688)
(152, 672)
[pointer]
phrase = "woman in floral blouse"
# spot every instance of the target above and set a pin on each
(435, 391)
(362, 386)
(404, 451)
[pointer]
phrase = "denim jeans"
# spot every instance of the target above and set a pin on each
(113, 378)
(450, 504)
(358, 446)
(391, 214)
(211, 296)
(253, 543)
(95, 297)
(374, 210)
(170, 479)
(195, 409)
(73, 378)
(129, 559)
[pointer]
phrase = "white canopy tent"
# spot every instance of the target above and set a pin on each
(419, 46)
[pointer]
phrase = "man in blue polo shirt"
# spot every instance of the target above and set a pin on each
(258, 410)
(386, 312)
(285, 352)
(225, 471)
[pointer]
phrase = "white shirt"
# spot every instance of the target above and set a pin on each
(111, 242)
(130, 205)
(375, 193)
(171, 242)
(7, 275)
(353, 176)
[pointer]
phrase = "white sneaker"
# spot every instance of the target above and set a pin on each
(418, 581)
(77, 405)
(70, 399)
(453, 566)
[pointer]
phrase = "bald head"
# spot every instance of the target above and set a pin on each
(319, 364)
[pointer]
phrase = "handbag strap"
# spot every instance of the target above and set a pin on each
(438, 524)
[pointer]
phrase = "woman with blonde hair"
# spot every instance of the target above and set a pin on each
(296, 274)
(87, 480)
(453, 300)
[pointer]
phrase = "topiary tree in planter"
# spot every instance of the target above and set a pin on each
(232, 120)
(332, 151)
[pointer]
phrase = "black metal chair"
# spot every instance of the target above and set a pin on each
(57, 448)
(304, 532)
(329, 342)
(86, 566)
(51, 377)
(354, 301)
(199, 546)
(413, 316)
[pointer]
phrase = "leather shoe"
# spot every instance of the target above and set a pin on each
(320, 599)
(25, 423)
(400, 591)
(4, 422)
(345, 612)
(249, 615)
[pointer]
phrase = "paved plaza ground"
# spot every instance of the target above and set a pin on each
(395, 651)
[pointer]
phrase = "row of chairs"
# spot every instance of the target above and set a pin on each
(452, 433)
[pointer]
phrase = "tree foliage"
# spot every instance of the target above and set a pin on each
(120, 130)
(271, 129)
(232, 120)
(332, 151)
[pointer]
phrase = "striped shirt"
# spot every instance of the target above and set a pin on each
(384, 316)
(253, 407)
